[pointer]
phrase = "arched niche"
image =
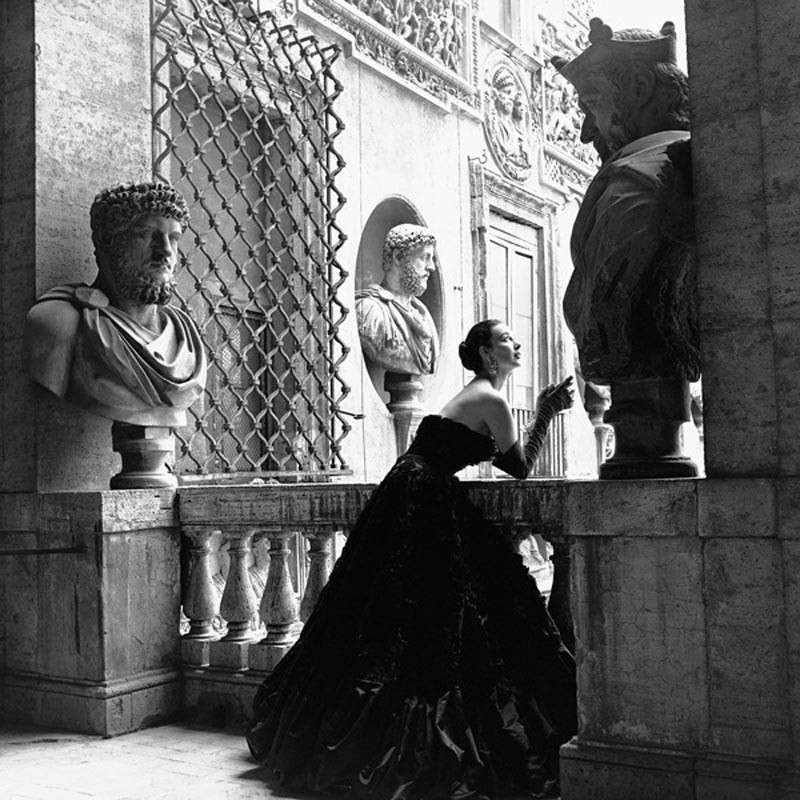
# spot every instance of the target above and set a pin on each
(394, 210)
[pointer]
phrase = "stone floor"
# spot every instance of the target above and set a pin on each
(172, 762)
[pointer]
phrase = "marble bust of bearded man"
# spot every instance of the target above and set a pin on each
(117, 348)
(396, 329)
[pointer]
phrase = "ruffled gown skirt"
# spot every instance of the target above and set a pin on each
(430, 668)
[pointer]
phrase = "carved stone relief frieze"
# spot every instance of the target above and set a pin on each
(434, 26)
(582, 10)
(563, 119)
(508, 118)
(430, 43)
(565, 176)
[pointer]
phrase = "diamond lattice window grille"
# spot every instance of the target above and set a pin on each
(244, 126)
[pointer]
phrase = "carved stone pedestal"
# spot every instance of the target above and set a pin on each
(647, 416)
(145, 452)
(405, 405)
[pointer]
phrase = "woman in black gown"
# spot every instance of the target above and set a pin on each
(430, 668)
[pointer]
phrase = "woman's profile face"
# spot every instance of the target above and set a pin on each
(504, 347)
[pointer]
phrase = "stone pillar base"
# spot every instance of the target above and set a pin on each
(595, 771)
(91, 610)
(106, 709)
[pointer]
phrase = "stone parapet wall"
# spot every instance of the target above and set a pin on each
(686, 637)
(90, 598)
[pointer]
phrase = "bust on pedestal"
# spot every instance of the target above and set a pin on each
(631, 299)
(116, 348)
(396, 329)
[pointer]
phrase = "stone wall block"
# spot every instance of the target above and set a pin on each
(737, 507)
(779, 60)
(17, 53)
(780, 121)
(787, 380)
(720, 57)
(746, 647)
(631, 508)
(68, 644)
(18, 145)
(791, 578)
(640, 647)
(74, 41)
(17, 284)
(739, 779)
(788, 499)
(729, 213)
(73, 447)
(17, 437)
(18, 584)
(595, 771)
(141, 586)
(739, 403)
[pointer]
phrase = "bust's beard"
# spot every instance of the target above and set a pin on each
(139, 287)
(620, 133)
(410, 281)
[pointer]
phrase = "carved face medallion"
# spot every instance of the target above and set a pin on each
(507, 123)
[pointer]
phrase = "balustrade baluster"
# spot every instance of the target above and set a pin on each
(201, 601)
(239, 601)
(319, 569)
(279, 601)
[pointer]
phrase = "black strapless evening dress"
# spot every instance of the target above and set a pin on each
(430, 668)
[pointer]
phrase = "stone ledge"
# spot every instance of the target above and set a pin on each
(65, 513)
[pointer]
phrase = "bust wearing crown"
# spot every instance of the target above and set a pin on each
(396, 329)
(116, 348)
(630, 301)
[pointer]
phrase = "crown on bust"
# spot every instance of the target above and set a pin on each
(607, 46)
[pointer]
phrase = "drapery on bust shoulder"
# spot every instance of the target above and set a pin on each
(396, 330)
(116, 347)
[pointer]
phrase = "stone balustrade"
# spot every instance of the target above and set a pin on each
(256, 559)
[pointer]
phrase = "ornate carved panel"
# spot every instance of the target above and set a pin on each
(582, 9)
(563, 119)
(508, 118)
(430, 43)
(568, 163)
(563, 175)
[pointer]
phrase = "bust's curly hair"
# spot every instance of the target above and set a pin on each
(406, 238)
(115, 210)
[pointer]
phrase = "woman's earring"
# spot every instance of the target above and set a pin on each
(492, 367)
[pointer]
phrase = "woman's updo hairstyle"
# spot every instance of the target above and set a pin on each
(480, 335)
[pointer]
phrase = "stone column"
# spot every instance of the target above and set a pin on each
(687, 599)
(746, 163)
(66, 135)
(98, 651)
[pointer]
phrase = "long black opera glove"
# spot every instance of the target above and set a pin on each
(519, 459)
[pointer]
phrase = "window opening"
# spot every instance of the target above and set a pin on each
(244, 126)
